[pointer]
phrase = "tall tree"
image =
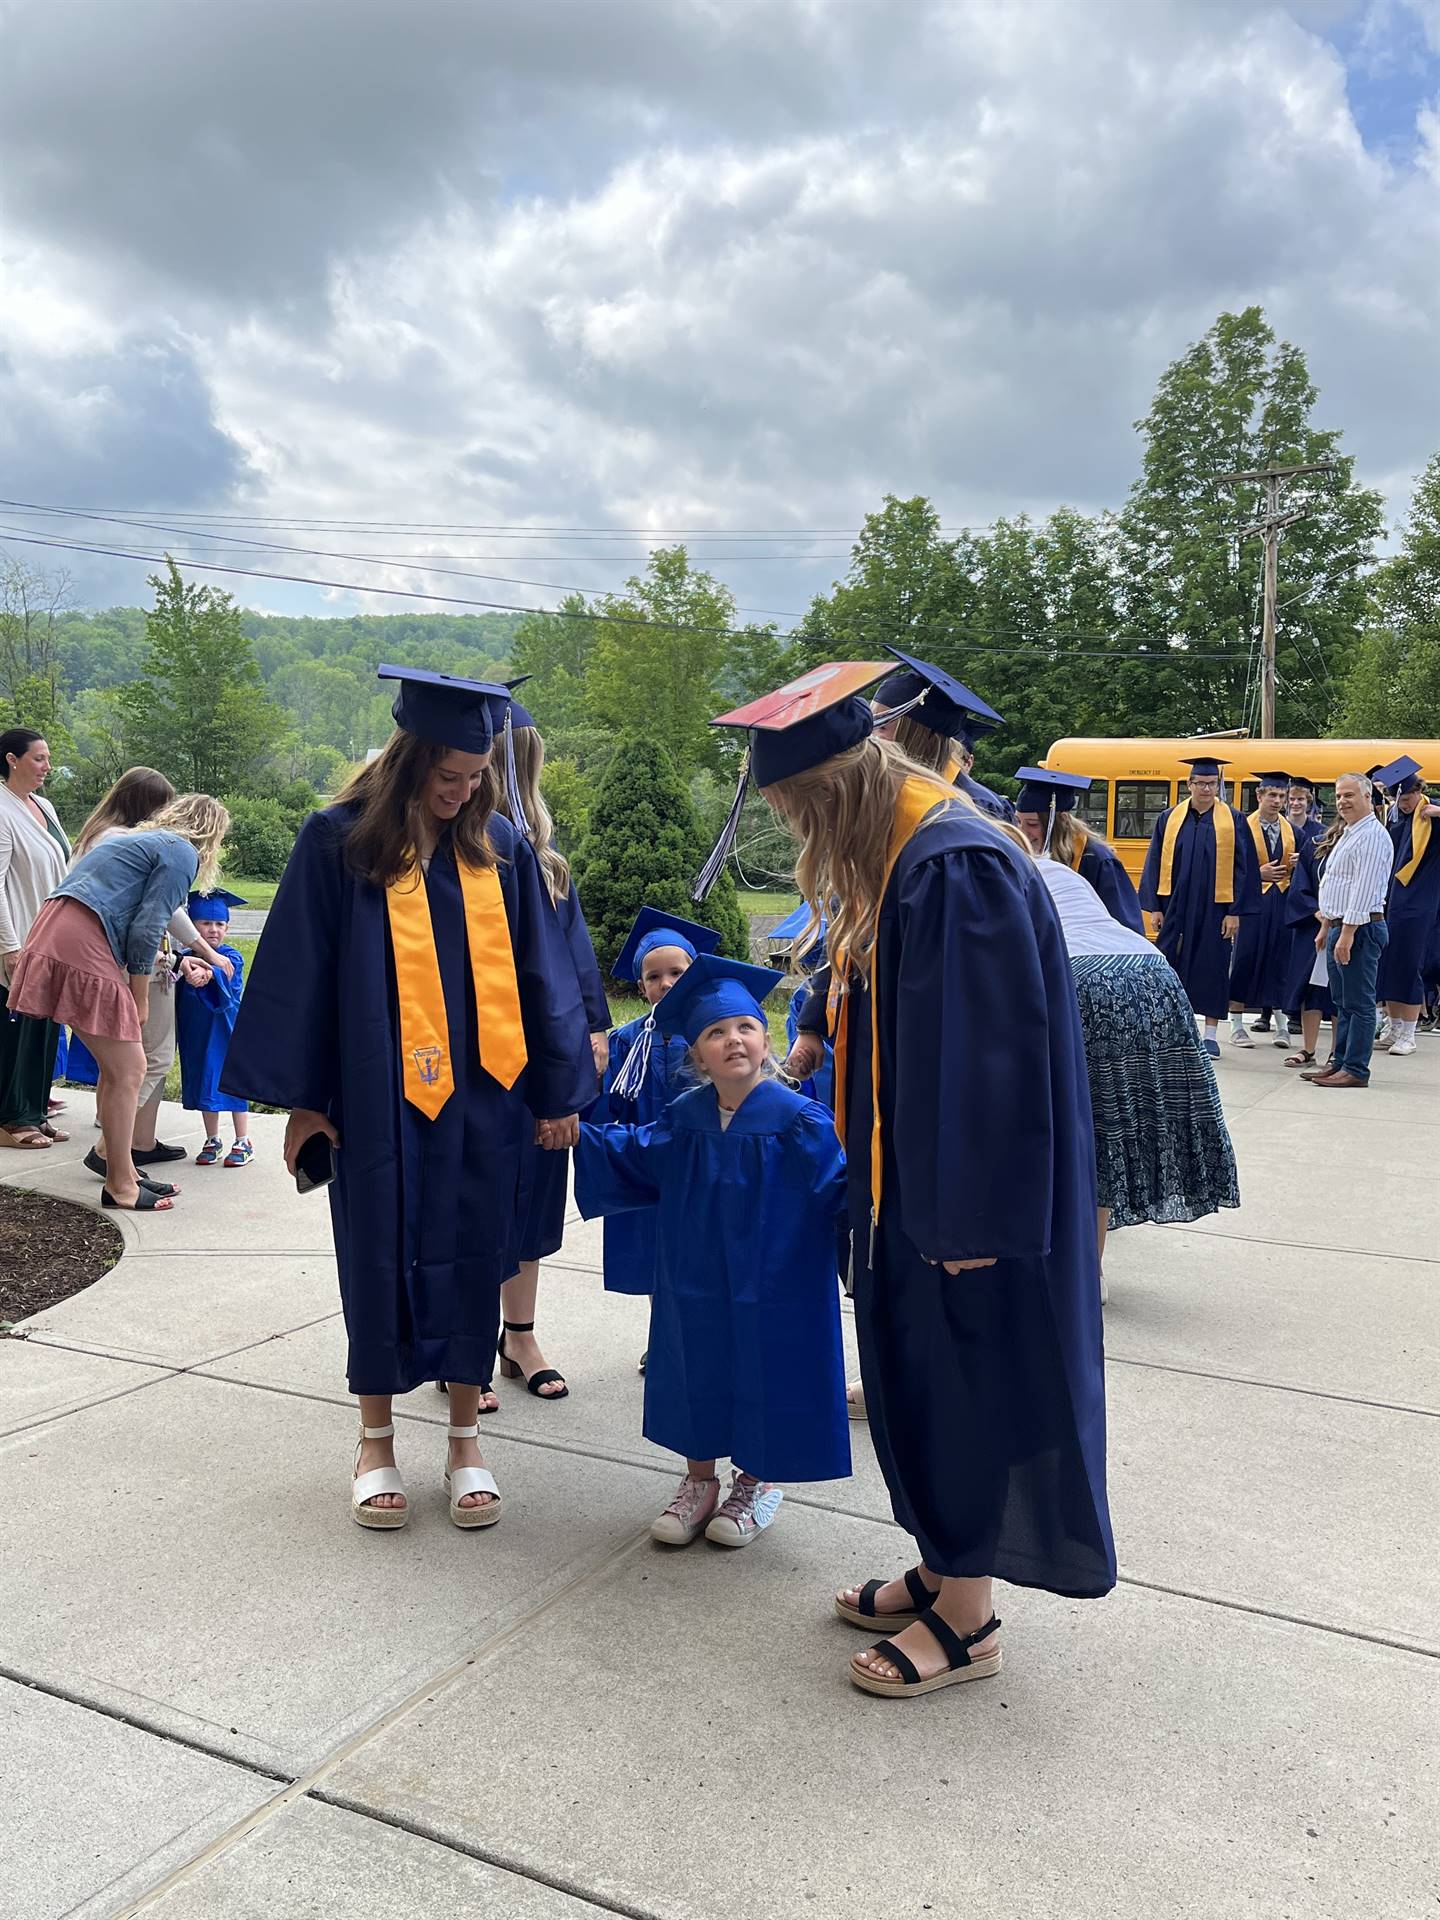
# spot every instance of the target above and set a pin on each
(31, 685)
(200, 714)
(1393, 684)
(907, 585)
(1237, 402)
(553, 650)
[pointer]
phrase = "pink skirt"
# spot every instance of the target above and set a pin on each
(68, 974)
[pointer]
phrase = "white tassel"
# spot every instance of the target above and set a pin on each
(1050, 824)
(513, 802)
(720, 852)
(631, 1077)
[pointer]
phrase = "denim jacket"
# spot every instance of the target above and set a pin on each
(132, 884)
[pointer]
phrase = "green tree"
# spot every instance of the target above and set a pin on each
(643, 847)
(1393, 685)
(31, 686)
(200, 714)
(1235, 402)
(554, 651)
(907, 585)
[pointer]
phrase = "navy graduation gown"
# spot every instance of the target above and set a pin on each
(630, 1237)
(1411, 914)
(745, 1354)
(995, 804)
(204, 1018)
(1302, 907)
(1261, 964)
(424, 1210)
(985, 1389)
(1190, 938)
(545, 1174)
(1105, 871)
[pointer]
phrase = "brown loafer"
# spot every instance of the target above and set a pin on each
(1341, 1080)
(1320, 1073)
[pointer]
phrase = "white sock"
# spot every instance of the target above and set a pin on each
(1210, 1026)
(1404, 1029)
(1237, 1022)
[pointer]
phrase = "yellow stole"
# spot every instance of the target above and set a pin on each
(1419, 840)
(1077, 852)
(1224, 851)
(916, 801)
(951, 770)
(429, 1073)
(1262, 852)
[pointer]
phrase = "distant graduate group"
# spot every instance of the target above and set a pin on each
(990, 1064)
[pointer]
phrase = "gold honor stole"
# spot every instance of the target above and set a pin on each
(1287, 847)
(1224, 851)
(1082, 840)
(429, 1073)
(1419, 840)
(916, 801)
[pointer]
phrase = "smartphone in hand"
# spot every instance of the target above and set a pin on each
(314, 1164)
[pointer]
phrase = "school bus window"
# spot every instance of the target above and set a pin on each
(1092, 807)
(1138, 805)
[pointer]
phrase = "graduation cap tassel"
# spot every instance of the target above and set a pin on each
(631, 1077)
(905, 706)
(1050, 824)
(513, 801)
(720, 852)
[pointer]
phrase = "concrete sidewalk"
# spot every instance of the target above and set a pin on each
(220, 1698)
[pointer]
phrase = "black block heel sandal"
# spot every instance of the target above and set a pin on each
(863, 1613)
(955, 1647)
(542, 1376)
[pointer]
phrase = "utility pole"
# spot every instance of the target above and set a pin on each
(1277, 480)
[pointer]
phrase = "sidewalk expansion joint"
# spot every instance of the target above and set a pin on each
(1274, 1386)
(1305, 1246)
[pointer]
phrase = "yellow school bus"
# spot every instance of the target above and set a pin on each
(1134, 781)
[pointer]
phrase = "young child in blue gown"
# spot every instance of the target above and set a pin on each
(746, 1179)
(644, 1074)
(204, 1020)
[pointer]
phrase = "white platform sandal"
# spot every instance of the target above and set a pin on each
(461, 1481)
(365, 1486)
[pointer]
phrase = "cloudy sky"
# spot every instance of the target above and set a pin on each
(720, 265)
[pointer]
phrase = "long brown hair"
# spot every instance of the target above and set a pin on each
(137, 795)
(390, 793)
(841, 814)
(528, 752)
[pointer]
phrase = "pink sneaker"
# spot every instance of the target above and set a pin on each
(748, 1509)
(694, 1502)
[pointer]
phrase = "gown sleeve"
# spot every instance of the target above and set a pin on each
(1302, 899)
(1115, 887)
(587, 967)
(1149, 895)
(617, 1169)
(1247, 870)
(560, 1070)
(218, 993)
(285, 1049)
(816, 1146)
(974, 1102)
(811, 1016)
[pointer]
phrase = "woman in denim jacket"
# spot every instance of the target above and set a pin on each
(88, 960)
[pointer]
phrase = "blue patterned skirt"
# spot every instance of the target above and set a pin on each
(1162, 1149)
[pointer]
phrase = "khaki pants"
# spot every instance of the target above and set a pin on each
(157, 1036)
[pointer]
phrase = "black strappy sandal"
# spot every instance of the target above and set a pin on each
(147, 1200)
(863, 1614)
(955, 1647)
(542, 1376)
(1301, 1059)
(164, 1188)
(443, 1386)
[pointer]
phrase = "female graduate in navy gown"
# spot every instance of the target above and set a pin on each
(977, 1296)
(1201, 879)
(544, 1177)
(411, 998)
(746, 1178)
(1045, 815)
(937, 721)
(1414, 907)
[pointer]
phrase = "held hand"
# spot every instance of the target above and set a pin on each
(1320, 939)
(555, 1134)
(219, 964)
(805, 1056)
(303, 1122)
(196, 971)
(1229, 926)
(1342, 948)
(600, 1048)
(1274, 870)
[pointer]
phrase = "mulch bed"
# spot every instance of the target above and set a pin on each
(49, 1249)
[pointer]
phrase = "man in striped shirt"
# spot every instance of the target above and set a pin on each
(1352, 930)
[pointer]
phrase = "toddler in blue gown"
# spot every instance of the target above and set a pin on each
(205, 1007)
(744, 1179)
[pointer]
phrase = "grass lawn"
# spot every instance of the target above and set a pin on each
(755, 901)
(257, 894)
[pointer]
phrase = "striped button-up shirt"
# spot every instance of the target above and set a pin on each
(1357, 873)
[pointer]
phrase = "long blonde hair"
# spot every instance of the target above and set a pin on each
(922, 744)
(1067, 830)
(528, 753)
(842, 814)
(200, 819)
(139, 793)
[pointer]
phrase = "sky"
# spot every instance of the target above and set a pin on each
(673, 269)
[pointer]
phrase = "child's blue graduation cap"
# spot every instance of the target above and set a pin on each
(654, 929)
(214, 905)
(936, 699)
(1401, 776)
(714, 989)
(794, 923)
(1042, 788)
(445, 709)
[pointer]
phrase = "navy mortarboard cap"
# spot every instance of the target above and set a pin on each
(1273, 780)
(654, 929)
(1039, 786)
(1302, 780)
(214, 905)
(1374, 773)
(1207, 766)
(445, 709)
(518, 716)
(714, 989)
(943, 704)
(1401, 776)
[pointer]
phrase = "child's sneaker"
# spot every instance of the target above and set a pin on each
(748, 1509)
(240, 1155)
(210, 1153)
(694, 1502)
